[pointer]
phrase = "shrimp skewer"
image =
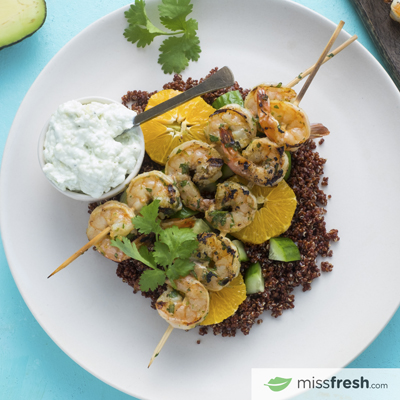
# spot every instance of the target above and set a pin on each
(186, 306)
(216, 261)
(235, 208)
(270, 171)
(279, 116)
(118, 216)
(154, 185)
(107, 221)
(183, 308)
(237, 119)
(200, 158)
(284, 123)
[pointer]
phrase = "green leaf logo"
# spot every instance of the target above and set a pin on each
(278, 384)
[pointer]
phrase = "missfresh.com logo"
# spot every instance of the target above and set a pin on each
(309, 384)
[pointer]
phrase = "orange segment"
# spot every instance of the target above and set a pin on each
(225, 302)
(167, 131)
(274, 217)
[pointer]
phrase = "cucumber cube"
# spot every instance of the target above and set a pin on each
(201, 226)
(240, 248)
(254, 279)
(283, 249)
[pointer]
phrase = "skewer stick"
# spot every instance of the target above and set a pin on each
(308, 71)
(161, 344)
(318, 63)
(89, 244)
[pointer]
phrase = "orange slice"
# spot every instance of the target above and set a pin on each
(167, 131)
(225, 302)
(274, 217)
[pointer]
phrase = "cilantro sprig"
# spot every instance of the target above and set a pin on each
(175, 51)
(172, 249)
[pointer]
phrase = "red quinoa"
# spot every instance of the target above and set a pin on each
(307, 230)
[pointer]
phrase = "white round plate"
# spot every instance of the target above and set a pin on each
(94, 317)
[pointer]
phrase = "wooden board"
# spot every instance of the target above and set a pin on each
(384, 32)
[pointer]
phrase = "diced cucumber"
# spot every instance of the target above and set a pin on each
(240, 248)
(254, 279)
(226, 172)
(287, 175)
(201, 226)
(184, 212)
(233, 97)
(283, 249)
(124, 197)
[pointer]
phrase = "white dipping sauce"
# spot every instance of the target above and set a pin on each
(80, 151)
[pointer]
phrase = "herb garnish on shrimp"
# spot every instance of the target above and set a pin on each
(172, 249)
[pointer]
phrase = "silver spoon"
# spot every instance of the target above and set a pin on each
(221, 79)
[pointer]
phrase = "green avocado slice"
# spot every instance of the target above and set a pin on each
(20, 19)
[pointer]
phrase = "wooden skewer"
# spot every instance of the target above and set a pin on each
(318, 63)
(89, 244)
(160, 344)
(308, 71)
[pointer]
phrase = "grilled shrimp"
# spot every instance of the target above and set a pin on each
(235, 118)
(186, 306)
(234, 208)
(216, 261)
(282, 122)
(112, 214)
(273, 92)
(262, 163)
(267, 154)
(200, 158)
(154, 185)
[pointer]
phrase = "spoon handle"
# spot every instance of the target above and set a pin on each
(221, 79)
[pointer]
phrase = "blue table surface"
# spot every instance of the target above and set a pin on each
(31, 365)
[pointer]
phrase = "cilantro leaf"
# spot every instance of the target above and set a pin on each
(148, 221)
(173, 13)
(180, 268)
(140, 35)
(151, 279)
(187, 249)
(131, 250)
(176, 51)
(172, 57)
(191, 27)
(191, 47)
(174, 238)
(140, 28)
(162, 254)
(175, 9)
(147, 255)
(136, 15)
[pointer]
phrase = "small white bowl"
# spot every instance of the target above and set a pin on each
(82, 196)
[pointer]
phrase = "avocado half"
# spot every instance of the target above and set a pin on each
(20, 19)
